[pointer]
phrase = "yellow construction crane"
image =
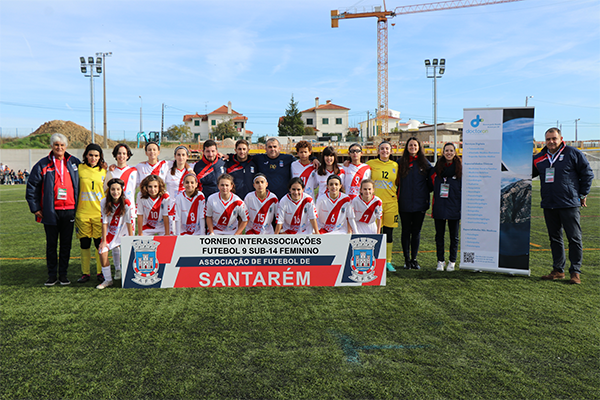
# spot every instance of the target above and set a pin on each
(382, 40)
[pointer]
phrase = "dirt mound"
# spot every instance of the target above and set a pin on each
(77, 135)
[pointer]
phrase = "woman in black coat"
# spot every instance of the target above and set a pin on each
(446, 178)
(413, 198)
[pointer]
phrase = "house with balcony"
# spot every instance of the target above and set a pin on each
(327, 119)
(202, 125)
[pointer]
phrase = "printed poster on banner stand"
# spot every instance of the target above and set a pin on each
(496, 195)
(253, 260)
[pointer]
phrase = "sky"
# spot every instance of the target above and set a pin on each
(195, 56)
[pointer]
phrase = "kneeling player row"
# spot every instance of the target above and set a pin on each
(224, 213)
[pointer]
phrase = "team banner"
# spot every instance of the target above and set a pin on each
(253, 260)
(496, 196)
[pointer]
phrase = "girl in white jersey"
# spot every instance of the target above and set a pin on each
(329, 166)
(366, 210)
(178, 168)
(355, 171)
(153, 207)
(116, 223)
(153, 166)
(262, 207)
(333, 208)
(296, 212)
(189, 208)
(122, 153)
(226, 213)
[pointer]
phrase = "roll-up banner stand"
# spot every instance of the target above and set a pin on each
(496, 195)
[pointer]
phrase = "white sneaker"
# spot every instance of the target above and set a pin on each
(118, 275)
(450, 266)
(104, 285)
(440, 266)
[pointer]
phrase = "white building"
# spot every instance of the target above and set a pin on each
(327, 119)
(202, 125)
(369, 127)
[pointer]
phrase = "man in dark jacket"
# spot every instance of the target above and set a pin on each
(242, 168)
(209, 168)
(52, 193)
(566, 179)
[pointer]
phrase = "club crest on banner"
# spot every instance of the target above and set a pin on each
(363, 260)
(145, 264)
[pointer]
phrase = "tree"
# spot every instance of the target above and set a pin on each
(224, 130)
(180, 132)
(309, 131)
(291, 124)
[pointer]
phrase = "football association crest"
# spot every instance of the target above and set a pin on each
(363, 260)
(145, 263)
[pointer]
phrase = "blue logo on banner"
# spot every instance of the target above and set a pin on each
(143, 264)
(360, 262)
(475, 122)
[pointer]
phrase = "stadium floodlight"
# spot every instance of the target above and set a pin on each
(84, 70)
(434, 71)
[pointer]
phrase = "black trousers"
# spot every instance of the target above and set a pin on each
(440, 231)
(63, 231)
(412, 222)
(558, 219)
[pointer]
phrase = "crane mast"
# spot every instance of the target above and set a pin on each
(382, 40)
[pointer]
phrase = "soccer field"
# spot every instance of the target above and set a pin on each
(426, 335)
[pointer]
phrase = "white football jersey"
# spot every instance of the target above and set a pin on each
(332, 214)
(354, 175)
(129, 175)
(322, 180)
(308, 175)
(294, 216)
(366, 214)
(189, 214)
(144, 169)
(175, 182)
(260, 213)
(153, 211)
(225, 213)
(117, 224)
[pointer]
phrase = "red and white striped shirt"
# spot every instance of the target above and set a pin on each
(225, 213)
(366, 214)
(261, 213)
(333, 214)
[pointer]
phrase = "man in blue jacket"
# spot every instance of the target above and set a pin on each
(52, 193)
(566, 179)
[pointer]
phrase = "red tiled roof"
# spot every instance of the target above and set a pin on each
(352, 129)
(223, 110)
(329, 106)
(189, 117)
(240, 118)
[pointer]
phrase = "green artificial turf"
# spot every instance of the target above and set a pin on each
(426, 335)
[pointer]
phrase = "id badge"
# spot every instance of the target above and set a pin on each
(549, 175)
(444, 190)
(61, 194)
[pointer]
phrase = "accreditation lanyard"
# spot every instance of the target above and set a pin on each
(550, 171)
(61, 193)
(444, 190)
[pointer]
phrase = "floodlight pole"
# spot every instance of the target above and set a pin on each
(438, 71)
(91, 64)
(104, 94)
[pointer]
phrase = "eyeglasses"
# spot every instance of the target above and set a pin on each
(354, 151)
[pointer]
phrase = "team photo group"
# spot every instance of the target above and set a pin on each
(235, 194)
